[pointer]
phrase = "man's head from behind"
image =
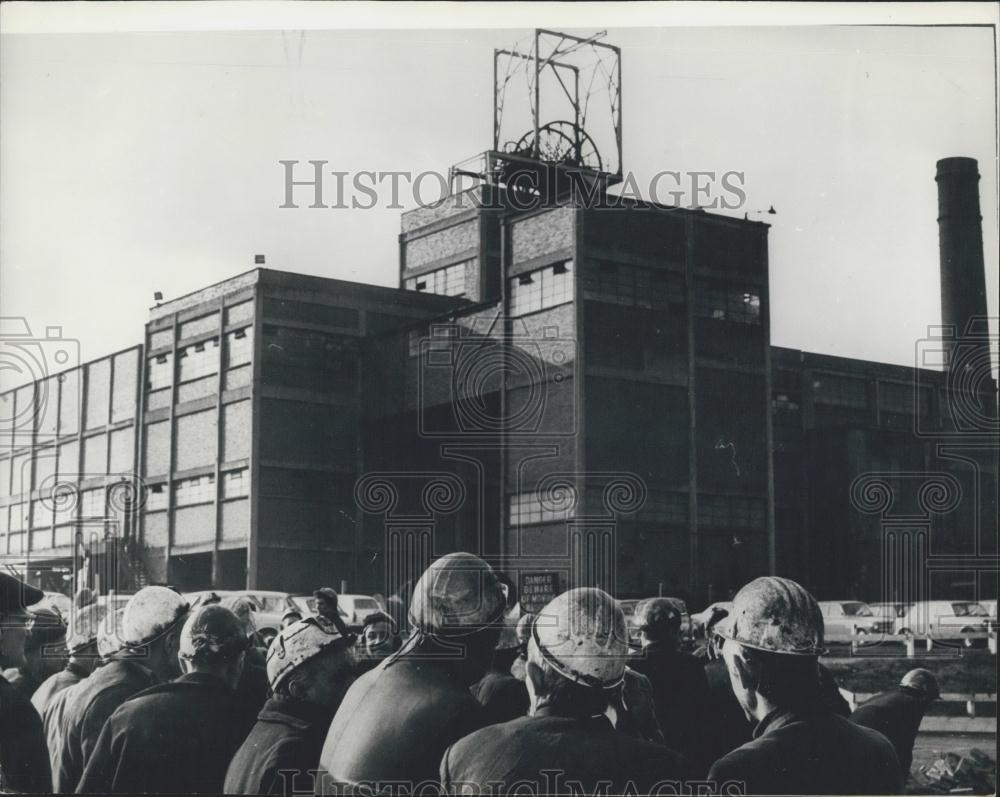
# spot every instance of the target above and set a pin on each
(576, 653)
(213, 640)
(773, 638)
(151, 628)
(15, 597)
(658, 620)
(311, 662)
(922, 684)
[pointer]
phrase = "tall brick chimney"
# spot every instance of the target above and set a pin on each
(960, 229)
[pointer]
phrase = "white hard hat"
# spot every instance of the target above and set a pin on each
(297, 644)
(109, 634)
(775, 615)
(150, 612)
(582, 635)
(459, 593)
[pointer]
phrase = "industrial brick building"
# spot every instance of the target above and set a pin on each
(585, 393)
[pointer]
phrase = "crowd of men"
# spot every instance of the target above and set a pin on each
(167, 698)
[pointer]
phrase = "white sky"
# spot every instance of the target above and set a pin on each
(137, 162)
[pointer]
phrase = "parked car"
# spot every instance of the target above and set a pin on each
(991, 608)
(269, 607)
(886, 615)
(842, 618)
(699, 619)
(944, 620)
(353, 608)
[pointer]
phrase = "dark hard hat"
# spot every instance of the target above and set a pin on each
(46, 628)
(212, 631)
(657, 614)
(458, 594)
(326, 592)
(922, 681)
(775, 615)
(16, 596)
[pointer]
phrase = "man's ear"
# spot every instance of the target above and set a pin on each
(746, 672)
(533, 672)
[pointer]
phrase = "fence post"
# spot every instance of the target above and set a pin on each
(854, 640)
(991, 641)
(908, 641)
(970, 706)
(930, 642)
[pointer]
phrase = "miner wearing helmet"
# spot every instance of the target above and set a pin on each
(24, 759)
(310, 667)
(680, 686)
(81, 649)
(396, 720)
(44, 652)
(140, 654)
(178, 737)
(897, 713)
(576, 663)
(773, 638)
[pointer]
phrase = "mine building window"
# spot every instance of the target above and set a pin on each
(723, 301)
(235, 483)
(161, 372)
(156, 497)
(633, 286)
(198, 360)
(541, 289)
(199, 490)
(528, 508)
(447, 281)
(840, 390)
(731, 511)
(92, 503)
(665, 507)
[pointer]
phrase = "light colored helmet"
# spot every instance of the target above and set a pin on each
(244, 609)
(775, 615)
(83, 627)
(212, 631)
(458, 594)
(151, 612)
(110, 634)
(923, 681)
(660, 615)
(581, 634)
(297, 644)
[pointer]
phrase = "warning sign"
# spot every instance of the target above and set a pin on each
(537, 589)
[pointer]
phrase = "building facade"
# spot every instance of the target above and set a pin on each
(587, 394)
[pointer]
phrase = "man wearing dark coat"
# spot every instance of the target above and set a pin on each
(24, 757)
(178, 737)
(897, 713)
(151, 625)
(310, 668)
(568, 744)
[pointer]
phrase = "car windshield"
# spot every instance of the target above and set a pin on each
(271, 603)
(365, 603)
(857, 609)
(969, 610)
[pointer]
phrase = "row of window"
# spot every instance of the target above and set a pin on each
(723, 301)
(200, 359)
(447, 281)
(659, 507)
(633, 286)
(541, 288)
(199, 490)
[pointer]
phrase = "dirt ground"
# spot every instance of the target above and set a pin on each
(961, 743)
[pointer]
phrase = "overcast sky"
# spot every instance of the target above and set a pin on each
(140, 162)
